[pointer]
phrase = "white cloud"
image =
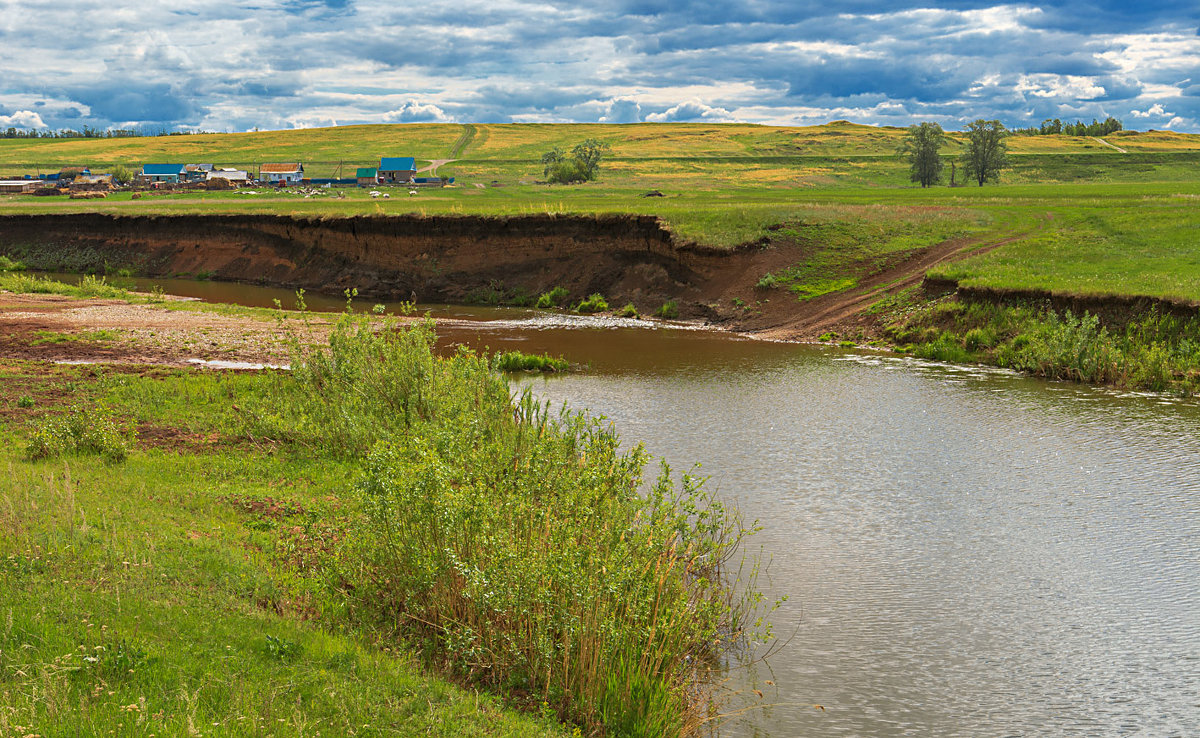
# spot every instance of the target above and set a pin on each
(693, 110)
(1068, 87)
(1154, 111)
(416, 112)
(22, 119)
(623, 110)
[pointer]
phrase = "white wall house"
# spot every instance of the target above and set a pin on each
(289, 173)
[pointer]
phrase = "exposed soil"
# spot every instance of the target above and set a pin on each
(62, 329)
(628, 258)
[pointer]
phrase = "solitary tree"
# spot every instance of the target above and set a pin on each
(580, 166)
(921, 146)
(986, 152)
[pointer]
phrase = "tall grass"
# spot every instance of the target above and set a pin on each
(1154, 351)
(512, 543)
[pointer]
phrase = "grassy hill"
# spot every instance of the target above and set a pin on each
(513, 150)
(727, 184)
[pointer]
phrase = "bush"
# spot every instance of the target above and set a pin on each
(629, 311)
(122, 174)
(556, 297)
(668, 311)
(84, 430)
(767, 281)
(8, 265)
(517, 361)
(594, 303)
(566, 172)
(513, 543)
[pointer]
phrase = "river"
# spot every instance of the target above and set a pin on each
(966, 552)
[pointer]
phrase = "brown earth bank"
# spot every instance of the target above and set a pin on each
(1111, 309)
(455, 259)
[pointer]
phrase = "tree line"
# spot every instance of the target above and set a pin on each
(91, 132)
(1052, 127)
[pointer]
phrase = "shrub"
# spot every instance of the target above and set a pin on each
(979, 338)
(122, 174)
(767, 281)
(515, 544)
(556, 297)
(566, 172)
(594, 303)
(517, 361)
(668, 311)
(83, 430)
(9, 265)
(629, 311)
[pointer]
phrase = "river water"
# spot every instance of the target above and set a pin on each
(966, 552)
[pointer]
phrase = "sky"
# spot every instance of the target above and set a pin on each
(277, 64)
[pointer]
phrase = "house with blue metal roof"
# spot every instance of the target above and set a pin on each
(161, 172)
(397, 169)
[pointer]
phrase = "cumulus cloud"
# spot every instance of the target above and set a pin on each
(415, 112)
(22, 119)
(1154, 111)
(693, 110)
(623, 110)
(224, 66)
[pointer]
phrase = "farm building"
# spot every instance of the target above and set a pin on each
(20, 185)
(196, 172)
(234, 176)
(367, 176)
(397, 169)
(161, 172)
(287, 173)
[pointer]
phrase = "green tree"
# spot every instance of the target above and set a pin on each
(122, 174)
(588, 155)
(551, 159)
(921, 146)
(580, 166)
(987, 152)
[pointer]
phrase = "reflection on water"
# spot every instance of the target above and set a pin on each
(967, 552)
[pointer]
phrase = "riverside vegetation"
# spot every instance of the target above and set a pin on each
(232, 581)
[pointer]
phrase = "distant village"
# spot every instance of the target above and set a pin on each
(82, 182)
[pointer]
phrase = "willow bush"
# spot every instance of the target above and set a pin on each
(516, 546)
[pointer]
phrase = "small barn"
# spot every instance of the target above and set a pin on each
(20, 185)
(161, 173)
(367, 176)
(288, 173)
(397, 169)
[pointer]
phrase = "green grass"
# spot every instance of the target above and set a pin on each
(55, 337)
(288, 552)
(1151, 351)
(138, 599)
(1142, 244)
(518, 361)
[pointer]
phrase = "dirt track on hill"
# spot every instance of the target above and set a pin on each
(845, 311)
